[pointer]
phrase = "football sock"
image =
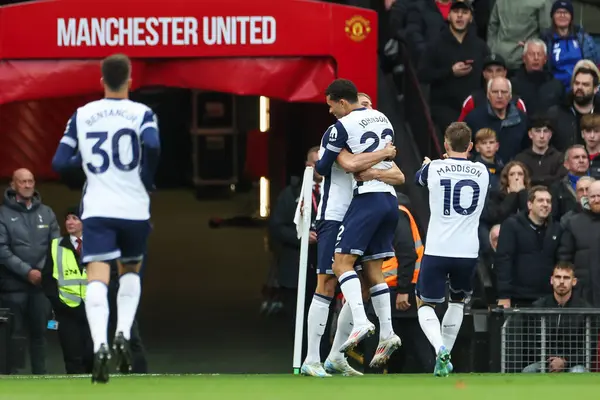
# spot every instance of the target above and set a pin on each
(316, 321)
(96, 309)
(128, 299)
(342, 333)
(350, 286)
(380, 297)
(451, 324)
(430, 324)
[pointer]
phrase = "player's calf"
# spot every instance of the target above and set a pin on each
(318, 314)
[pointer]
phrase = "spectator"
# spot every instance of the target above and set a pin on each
(590, 131)
(579, 245)
(581, 193)
(508, 200)
(26, 229)
(526, 250)
(565, 334)
(563, 192)
(425, 21)
(544, 162)
(486, 145)
(568, 42)
(452, 65)
(493, 67)
(581, 100)
(514, 22)
(535, 85)
(502, 116)
(65, 282)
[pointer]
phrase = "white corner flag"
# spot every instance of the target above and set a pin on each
(302, 219)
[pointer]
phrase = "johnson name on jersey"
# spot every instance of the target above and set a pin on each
(110, 135)
(457, 193)
(337, 188)
(364, 131)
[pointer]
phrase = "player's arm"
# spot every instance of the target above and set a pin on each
(334, 141)
(404, 248)
(392, 176)
(423, 173)
(66, 155)
(360, 162)
(151, 148)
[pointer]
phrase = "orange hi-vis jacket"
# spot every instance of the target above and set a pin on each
(390, 267)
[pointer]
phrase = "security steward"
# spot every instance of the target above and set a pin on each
(65, 284)
(401, 273)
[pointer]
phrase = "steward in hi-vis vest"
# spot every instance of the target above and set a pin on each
(65, 284)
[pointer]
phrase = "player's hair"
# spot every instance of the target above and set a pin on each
(116, 71)
(458, 136)
(565, 266)
(364, 95)
(590, 122)
(342, 89)
(314, 149)
(575, 146)
(540, 121)
(506, 170)
(535, 190)
(485, 134)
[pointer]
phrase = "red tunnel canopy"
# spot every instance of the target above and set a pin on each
(285, 49)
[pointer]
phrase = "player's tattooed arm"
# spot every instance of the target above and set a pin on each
(360, 162)
(392, 176)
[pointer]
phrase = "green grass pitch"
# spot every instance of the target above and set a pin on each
(290, 387)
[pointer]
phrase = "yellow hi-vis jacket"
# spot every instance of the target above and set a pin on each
(72, 283)
(390, 267)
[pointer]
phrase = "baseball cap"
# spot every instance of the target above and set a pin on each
(494, 59)
(464, 4)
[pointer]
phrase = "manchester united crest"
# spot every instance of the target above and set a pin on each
(358, 28)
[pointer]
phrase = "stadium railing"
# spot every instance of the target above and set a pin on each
(526, 339)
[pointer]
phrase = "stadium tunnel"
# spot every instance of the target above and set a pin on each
(238, 89)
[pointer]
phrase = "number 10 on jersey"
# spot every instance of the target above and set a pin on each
(452, 196)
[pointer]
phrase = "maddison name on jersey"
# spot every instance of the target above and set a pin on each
(467, 169)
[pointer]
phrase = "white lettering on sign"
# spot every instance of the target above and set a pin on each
(166, 31)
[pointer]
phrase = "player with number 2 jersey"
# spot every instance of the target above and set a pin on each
(457, 192)
(116, 142)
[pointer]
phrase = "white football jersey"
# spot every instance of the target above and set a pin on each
(337, 189)
(457, 193)
(109, 140)
(367, 130)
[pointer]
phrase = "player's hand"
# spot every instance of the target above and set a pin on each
(366, 175)
(504, 303)
(312, 238)
(34, 277)
(461, 69)
(390, 151)
(426, 161)
(556, 364)
(402, 303)
(445, 155)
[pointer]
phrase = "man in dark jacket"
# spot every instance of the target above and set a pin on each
(535, 85)
(402, 294)
(452, 65)
(525, 255)
(579, 245)
(503, 117)
(564, 196)
(581, 100)
(544, 162)
(26, 229)
(425, 21)
(565, 334)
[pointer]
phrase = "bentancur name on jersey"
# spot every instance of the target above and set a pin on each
(111, 113)
(467, 169)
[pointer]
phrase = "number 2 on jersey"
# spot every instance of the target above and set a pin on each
(100, 138)
(452, 196)
(372, 135)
